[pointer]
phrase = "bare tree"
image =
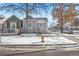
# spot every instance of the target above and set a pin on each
(58, 13)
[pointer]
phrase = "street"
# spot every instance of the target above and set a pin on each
(51, 53)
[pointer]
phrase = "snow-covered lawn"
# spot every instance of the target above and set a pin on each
(76, 37)
(70, 34)
(34, 40)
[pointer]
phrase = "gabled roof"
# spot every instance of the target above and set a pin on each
(13, 17)
(39, 18)
(29, 17)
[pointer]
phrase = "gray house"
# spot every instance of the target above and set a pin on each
(1, 24)
(41, 25)
(35, 25)
(12, 24)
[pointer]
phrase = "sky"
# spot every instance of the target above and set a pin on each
(9, 14)
(22, 15)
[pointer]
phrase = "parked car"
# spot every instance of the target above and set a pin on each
(69, 31)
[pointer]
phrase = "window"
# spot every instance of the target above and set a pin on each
(44, 25)
(30, 25)
(40, 25)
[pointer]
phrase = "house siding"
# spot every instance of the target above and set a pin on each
(11, 20)
(35, 27)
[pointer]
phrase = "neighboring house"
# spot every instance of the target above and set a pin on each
(41, 25)
(1, 24)
(76, 27)
(54, 28)
(77, 24)
(12, 24)
(35, 25)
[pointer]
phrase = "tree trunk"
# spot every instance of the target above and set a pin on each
(61, 26)
(27, 17)
(61, 20)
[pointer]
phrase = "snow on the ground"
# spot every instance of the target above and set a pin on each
(76, 37)
(34, 40)
(70, 34)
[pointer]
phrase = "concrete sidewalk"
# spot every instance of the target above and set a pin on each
(16, 50)
(19, 51)
(7, 51)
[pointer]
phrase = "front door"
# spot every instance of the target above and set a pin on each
(13, 26)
